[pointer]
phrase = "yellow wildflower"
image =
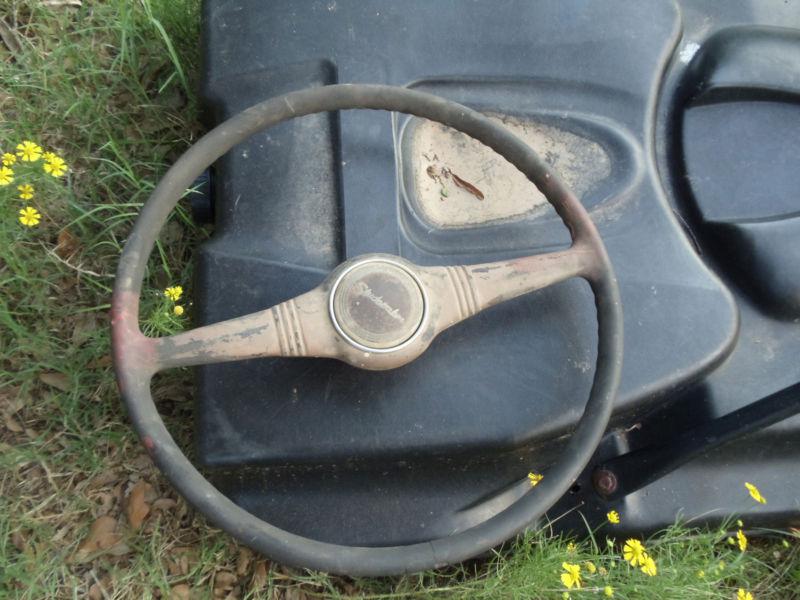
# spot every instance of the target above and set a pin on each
(535, 478)
(25, 191)
(590, 567)
(742, 538)
(174, 292)
(633, 551)
(29, 216)
(9, 159)
(649, 566)
(55, 166)
(572, 575)
(178, 310)
(571, 547)
(608, 591)
(755, 493)
(613, 517)
(28, 151)
(743, 595)
(6, 175)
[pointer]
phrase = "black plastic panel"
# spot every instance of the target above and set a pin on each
(741, 159)
(373, 458)
(740, 138)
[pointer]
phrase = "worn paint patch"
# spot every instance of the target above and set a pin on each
(458, 182)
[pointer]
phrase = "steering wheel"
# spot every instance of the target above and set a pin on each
(374, 312)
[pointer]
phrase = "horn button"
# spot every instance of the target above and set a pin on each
(377, 305)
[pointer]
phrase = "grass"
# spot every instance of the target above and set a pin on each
(110, 87)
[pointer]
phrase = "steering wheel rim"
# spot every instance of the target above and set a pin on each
(131, 360)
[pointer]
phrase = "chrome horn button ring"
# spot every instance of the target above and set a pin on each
(378, 305)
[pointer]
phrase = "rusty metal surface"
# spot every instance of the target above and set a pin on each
(344, 318)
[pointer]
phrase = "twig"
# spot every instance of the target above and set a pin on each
(78, 268)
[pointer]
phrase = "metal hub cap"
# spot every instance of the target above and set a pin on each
(377, 305)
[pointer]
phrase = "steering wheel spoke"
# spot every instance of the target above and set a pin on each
(460, 292)
(297, 327)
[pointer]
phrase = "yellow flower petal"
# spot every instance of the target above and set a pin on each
(28, 151)
(174, 292)
(755, 493)
(649, 567)
(572, 576)
(29, 216)
(535, 478)
(178, 310)
(613, 517)
(55, 166)
(25, 191)
(6, 175)
(633, 551)
(608, 591)
(590, 567)
(9, 159)
(743, 595)
(742, 539)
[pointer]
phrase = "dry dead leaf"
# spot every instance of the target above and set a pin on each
(86, 325)
(101, 589)
(164, 504)
(178, 565)
(224, 581)
(141, 462)
(11, 39)
(243, 561)
(103, 479)
(181, 561)
(56, 380)
(67, 244)
(19, 541)
(12, 424)
(100, 363)
(102, 537)
(259, 580)
(95, 592)
(295, 593)
(137, 508)
(105, 502)
(180, 592)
